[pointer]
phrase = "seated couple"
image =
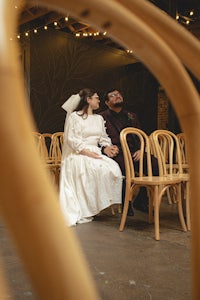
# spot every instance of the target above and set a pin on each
(89, 181)
(92, 167)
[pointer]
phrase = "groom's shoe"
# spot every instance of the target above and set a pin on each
(130, 212)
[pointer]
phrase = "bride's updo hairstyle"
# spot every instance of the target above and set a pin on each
(83, 104)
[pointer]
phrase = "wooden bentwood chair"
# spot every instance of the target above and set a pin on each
(156, 185)
(184, 151)
(171, 163)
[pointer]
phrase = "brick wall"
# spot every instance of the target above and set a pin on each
(163, 106)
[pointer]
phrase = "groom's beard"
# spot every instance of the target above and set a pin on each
(118, 104)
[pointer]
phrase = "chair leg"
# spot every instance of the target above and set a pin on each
(173, 194)
(57, 176)
(187, 201)
(52, 174)
(124, 213)
(180, 208)
(150, 198)
(150, 210)
(156, 213)
(169, 196)
(112, 210)
(119, 209)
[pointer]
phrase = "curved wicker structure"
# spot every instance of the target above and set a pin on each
(56, 266)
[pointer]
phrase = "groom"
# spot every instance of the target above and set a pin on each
(117, 118)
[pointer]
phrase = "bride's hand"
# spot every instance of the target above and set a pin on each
(111, 151)
(90, 154)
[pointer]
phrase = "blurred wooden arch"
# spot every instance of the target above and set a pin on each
(125, 24)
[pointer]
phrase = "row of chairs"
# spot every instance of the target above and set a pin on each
(171, 153)
(173, 179)
(49, 146)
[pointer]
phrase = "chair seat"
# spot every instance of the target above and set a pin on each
(184, 176)
(157, 180)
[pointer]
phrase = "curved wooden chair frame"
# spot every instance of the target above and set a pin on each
(183, 147)
(171, 164)
(56, 265)
(155, 185)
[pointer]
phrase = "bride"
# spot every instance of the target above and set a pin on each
(89, 181)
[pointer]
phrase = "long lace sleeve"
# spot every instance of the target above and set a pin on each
(73, 135)
(104, 140)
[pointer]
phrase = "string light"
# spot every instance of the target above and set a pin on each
(55, 23)
(89, 34)
(77, 34)
(187, 17)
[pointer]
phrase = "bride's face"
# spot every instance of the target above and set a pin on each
(94, 101)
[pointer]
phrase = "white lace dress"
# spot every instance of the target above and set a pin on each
(87, 185)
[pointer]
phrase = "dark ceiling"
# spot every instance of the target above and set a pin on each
(187, 12)
(34, 18)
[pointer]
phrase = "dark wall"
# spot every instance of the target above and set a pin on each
(140, 88)
(61, 65)
(173, 122)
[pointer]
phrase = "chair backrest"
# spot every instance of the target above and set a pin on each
(168, 152)
(56, 146)
(144, 150)
(183, 147)
(47, 141)
(39, 140)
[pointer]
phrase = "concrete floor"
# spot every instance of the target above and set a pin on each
(125, 265)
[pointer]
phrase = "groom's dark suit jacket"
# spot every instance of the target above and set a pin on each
(115, 122)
